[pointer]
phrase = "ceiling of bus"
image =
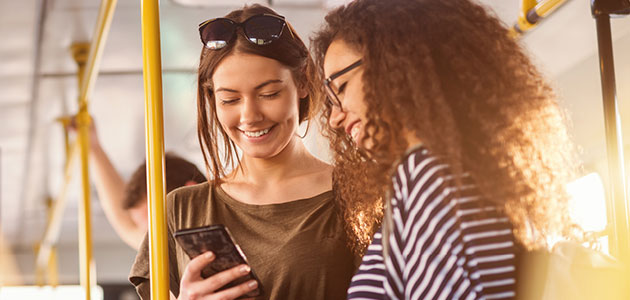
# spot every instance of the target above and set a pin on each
(31, 141)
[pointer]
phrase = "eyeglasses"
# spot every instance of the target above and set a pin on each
(332, 94)
(260, 29)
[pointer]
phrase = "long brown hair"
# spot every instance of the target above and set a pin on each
(289, 50)
(449, 72)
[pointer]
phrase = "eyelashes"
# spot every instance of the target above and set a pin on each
(270, 96)
(342, 88)
(262, 96)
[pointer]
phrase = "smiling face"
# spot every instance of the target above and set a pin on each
(256, 103)
(349, 86)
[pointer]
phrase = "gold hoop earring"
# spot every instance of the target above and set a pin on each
(308, 125)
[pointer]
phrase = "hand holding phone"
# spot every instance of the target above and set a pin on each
(217, 263)
(193, 286)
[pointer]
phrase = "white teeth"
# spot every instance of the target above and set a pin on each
(256, 133)
(355, 133)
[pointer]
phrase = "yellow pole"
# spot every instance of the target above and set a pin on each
(40, 276)
(65, 122)
(89, 55)
(522, 23)
(152, 71)
(85, 223)
(88, 78)
(531, 12)
(53, 269)
(53, 229)
(546, 7)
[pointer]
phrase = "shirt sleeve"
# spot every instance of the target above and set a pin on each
(139, 275)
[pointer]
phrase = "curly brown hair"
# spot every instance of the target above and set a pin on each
(288, 49)
(449, 72)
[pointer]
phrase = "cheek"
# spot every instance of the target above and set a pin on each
(362, 108)
(226, 118)
(282, 110)
(356, 102)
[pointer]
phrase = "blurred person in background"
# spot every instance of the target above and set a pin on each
(125, 203)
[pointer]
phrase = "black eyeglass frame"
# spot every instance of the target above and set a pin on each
(332, 95)
(242, 25)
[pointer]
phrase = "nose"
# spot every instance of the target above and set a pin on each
(250, 111)
(336, 117)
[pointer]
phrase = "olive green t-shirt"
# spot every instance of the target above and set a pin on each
(298, 249)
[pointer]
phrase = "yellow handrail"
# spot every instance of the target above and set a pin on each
(56, 215)
(152, 71)
(50, 273)
(531, 12)
(522, 24)
(86, 263)
(88, 78)
(88, 71)
(544, 8)
(87, 269)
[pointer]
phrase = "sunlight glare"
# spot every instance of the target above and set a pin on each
(587, 205)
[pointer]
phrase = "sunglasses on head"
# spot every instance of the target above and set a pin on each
(260, 29)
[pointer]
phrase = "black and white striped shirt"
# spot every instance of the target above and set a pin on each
(441, 245)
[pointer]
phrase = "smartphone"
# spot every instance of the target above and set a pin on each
(228, 254)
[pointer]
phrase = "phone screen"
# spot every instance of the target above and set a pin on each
(216, 238)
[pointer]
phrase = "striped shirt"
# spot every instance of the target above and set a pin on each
(442, 245)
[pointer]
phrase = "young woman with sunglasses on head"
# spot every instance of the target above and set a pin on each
(434, 108)
(256, 84)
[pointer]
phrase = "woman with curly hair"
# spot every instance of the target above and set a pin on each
(438, 115)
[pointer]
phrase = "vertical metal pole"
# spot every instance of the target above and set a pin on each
(617, 203)
(85, 223)
(152, 71)
(53, 269)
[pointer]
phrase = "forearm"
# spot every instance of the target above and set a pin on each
(110, 188)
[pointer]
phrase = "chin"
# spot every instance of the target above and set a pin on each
(262, 153)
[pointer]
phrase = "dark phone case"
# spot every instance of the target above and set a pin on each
(216, 238)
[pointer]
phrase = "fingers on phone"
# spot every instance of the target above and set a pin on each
(222, 278)
(211, 284)
(237, 291)
(193, 270)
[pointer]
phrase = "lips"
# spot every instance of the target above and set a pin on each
(354, 130)
(355, 133)
(256, 133)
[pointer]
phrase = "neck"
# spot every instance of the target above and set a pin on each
(411, 138)
(261, 171)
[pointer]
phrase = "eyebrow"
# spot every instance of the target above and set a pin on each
(258, 87)
(268, 82)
